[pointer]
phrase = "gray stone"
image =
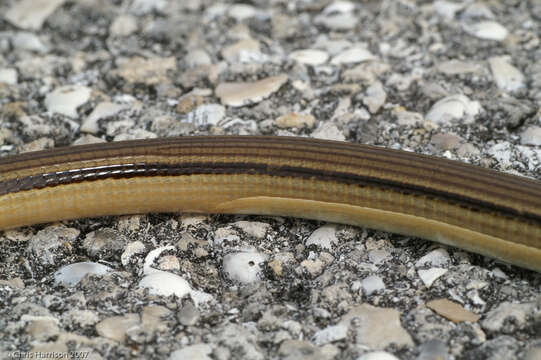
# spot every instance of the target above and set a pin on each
(103, 242)
(31, 14)
(531, 136)
(189, 315)
(432, 350)
(116, 327)
(47, 241)
(372, 284)
(496, 318)
(376, 327)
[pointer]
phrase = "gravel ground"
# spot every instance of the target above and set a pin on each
(461, 80)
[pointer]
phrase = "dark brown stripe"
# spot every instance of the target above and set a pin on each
(204, 168)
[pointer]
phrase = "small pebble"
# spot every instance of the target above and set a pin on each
(487, 30)
(103, 110)
(244, 266)
(71, 275)
(8, 76)
(311, 57)
(495, 319)
(208, 114)
(296, 120)
(66, 99)
(123, 25)
(433, 350)
(506, 76)
(454, 107)
(452, 311)
(377, 327)
(324, 237)
(241, 94)
(195, 352)
(375, 97)
(372, 284)
(330, 334)
(197, 57)
(255, 229)
(436, 258)
(337, 21)
(116, 327)
(241, 12)
(531, 136)
(430, 275)
(146, 71)
(353, 56)
(378, 355)
(31, 14)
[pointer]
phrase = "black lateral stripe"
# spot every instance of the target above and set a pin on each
(207, 168)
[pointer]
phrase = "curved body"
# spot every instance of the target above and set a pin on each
(476, 209)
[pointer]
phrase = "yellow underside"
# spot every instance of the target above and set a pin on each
(265, 195)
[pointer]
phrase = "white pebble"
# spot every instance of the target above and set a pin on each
(377, 355)
(324, 237)
(328, 131)
(133, 248)
(310, 56)
(438, 257)
(375, 97)
(197, 57)
(447, 9)
(163, 283)
(102, 111)
(208, 114)
(123, 25)
(196, 352)
(244, 266)
(352, 56)
(66, 99)
(429, 276)
(339, 7)
(8, 76)
(488, 30)
(338, 21)
(241, 11)
(454, 107)
(70, 275)
(506, 76)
